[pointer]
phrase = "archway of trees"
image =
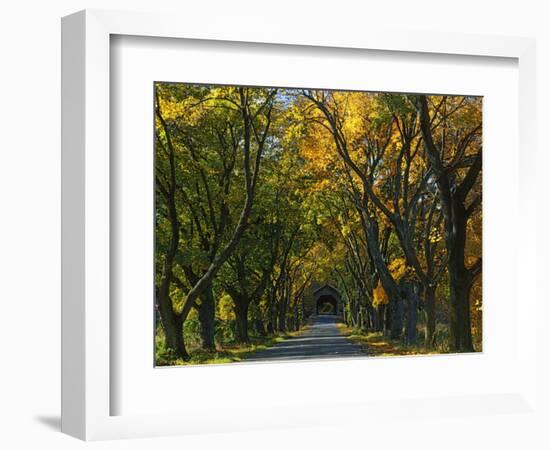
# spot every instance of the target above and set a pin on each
(263, 192)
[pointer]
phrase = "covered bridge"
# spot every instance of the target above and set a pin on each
(327, 300)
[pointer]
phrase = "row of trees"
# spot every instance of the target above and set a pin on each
(404, 197)
(228, 217)
(261, 192)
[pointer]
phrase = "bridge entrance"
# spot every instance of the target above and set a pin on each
(327, 300)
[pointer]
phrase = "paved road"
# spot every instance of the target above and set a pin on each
(321, 340)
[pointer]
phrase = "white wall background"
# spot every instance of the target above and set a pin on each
(30, 195)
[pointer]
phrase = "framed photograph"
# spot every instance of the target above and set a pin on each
(254, 221)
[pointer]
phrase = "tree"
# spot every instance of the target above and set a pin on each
(262, 194)
(245, 133)
(455, 174)
(348, 135)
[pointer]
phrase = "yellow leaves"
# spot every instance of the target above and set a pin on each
(346, 230)
(435, 236)
(389, 205)
(186, 111)
(321, 158)
(379, 296)
(189, 105)
(354, 115)
(399, 269)
(478, 305)
(225, 308)
(470, 260)
(170, 109)
(401, 204)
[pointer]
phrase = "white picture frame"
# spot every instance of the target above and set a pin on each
(87, 386)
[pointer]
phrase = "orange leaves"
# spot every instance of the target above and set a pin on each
(379, 296)
(399, 269)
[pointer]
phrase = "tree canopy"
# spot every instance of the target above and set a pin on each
(265, 194)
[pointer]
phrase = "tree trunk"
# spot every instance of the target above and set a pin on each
(456, 215)
(290, 323)
(461, 331)
(364, 318)
(282, 313)
(207, 316)
(397, 313)
(296, 318)
(270, 310)
(370, 227)
(356, 315)
(412, 315)
(430, 316)
(460, 280)
(274, 319)
(259, 327)
(241, 315)
(387, 319)
(381, 315)
(345, 314)
(172, 326)
(370, 316)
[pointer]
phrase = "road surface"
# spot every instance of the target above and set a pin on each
(321, 340)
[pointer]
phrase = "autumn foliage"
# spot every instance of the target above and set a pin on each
(262, 194)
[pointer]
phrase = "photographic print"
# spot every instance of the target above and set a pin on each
(295, 224)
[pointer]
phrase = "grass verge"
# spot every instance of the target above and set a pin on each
(377, 344)
(228, 353)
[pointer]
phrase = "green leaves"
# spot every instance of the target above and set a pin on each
(341, 189)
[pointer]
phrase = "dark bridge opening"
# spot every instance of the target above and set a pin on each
(326, 304)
